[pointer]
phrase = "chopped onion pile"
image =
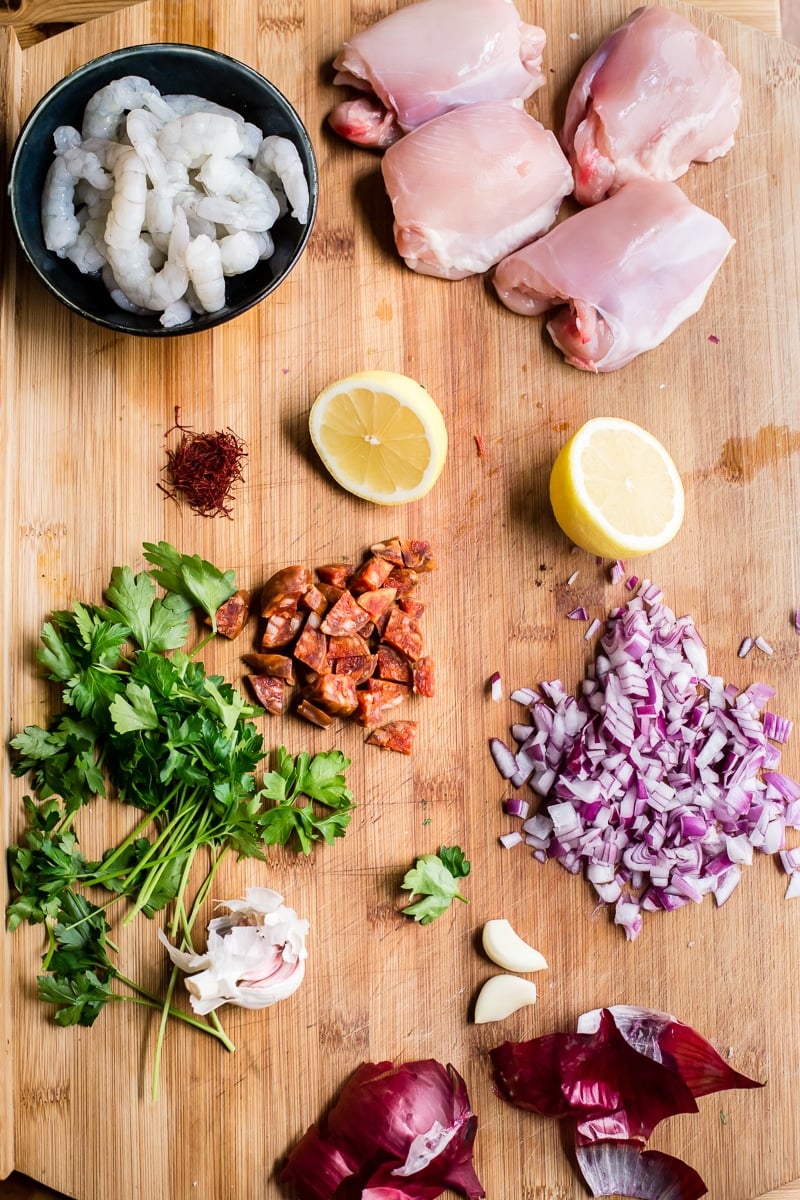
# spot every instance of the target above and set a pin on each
(657, 780)
(623, 1072)
(398, 1133)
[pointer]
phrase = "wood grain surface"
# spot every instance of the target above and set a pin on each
(83, 435)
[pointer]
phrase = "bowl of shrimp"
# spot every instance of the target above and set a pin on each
(161, 211)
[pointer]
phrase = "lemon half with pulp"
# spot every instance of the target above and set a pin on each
(380, 435)
(615, 491)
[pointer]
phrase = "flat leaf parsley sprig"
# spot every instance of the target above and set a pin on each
(177, 744)
(434, 878)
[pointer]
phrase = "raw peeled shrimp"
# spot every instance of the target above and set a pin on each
(204, 264)
(251, 136)
(71, 164)
(139, 281)
(191, 139)
(105, 110)
(141, 127)
(126, 218)
(279, 165)
(257, 208)
(241, 251)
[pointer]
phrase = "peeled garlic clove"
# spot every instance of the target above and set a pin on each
(501, 996)
(507, 949)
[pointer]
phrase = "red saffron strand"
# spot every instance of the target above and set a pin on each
(204, 469)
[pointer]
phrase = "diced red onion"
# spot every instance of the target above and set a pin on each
(593, 628)
(632, 582)
(764, 645)
(510, 839)
(797, 620)
(793, 888)
(776, 728)
(572, 578)
(514, 806)
(496, 684)
(745, 646)
(617, 572)
(659, 780)
(578, 614)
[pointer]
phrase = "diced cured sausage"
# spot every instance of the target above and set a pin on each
(414, 608)
(312, 648)
(369, 711)
(335, 694)
(347, 645)
(346, 616)
(391, 694)
(403, 632)
(392, 550)
(281, 628)
(338, 574)
(231, 617)
(358, 666)
(403, 579)
(283, 590)
(371, 575)
(313, 714)
(396, 735)
(424, 683)
(269, 692)
(417, 554)
(314, 600)
(393, 665)
(377, 603)
(279, 665)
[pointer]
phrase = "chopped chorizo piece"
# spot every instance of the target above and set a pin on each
(338, 574)
(403, 632)
(283, 590)
(281, 628)
(313, 714)
(278, 665)
(314, 600)
(268, 691)
(414, 608)
(424, 677)
(417, 555)
(232, 615)
(396, 735)
(371, 575)
(331, 593)
(335, 694)
(346, 616)
(370, 710)
(394, 665)
(346, 645)
(391, 549)
(377, 603)
(403, 579)
(358, 666)
(311, 648)
(391, 694)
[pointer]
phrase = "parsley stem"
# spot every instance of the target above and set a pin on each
(150, 1001)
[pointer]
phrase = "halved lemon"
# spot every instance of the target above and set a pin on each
(380, 435)
(615, 491)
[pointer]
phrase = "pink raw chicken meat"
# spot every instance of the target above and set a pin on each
(427, 58)
(657, 96)
(632, 269)
(471, 186)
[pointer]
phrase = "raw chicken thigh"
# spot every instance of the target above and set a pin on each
(656, 96)
(471, 186)
(632, 269)
(427, 58)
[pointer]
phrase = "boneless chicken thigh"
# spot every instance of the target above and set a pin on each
(630, 269)
(656, 96)
(427, 58)
(471, 186)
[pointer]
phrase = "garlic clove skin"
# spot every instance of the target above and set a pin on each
(506, 948)
(501, 996)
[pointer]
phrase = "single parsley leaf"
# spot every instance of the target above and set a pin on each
(55, 657)
(192, 577)
(133, 711)
(79, 999)
(319, 778)
(434, 878)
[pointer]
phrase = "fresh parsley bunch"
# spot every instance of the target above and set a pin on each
(181, 746)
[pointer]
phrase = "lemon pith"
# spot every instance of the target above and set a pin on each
(380, 435)
(615, 491)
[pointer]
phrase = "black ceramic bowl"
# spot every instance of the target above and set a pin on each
(173, 69)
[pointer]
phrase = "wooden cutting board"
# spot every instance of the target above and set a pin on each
(83, 437)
